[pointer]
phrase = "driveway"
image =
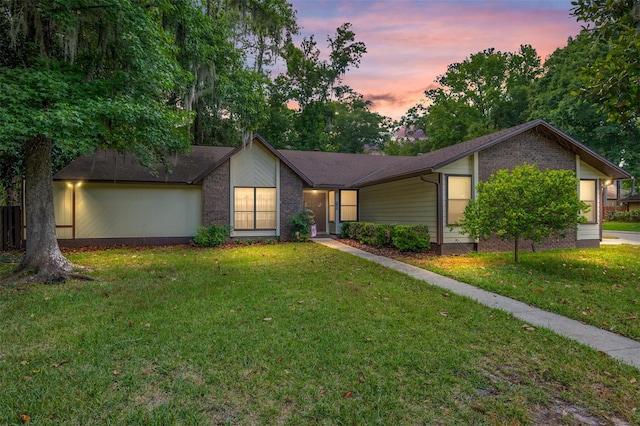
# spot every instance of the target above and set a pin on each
(620, 237)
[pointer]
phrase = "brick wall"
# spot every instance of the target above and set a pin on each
(530, 147)
(291, 187)
(216, 201)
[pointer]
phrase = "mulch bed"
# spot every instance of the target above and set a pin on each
(389, 252)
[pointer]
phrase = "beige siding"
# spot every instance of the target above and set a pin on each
(464, 166)
(408, 202)
(253, 166)
(122, 211)
(63, 208)
(585, 171)
(591, 231)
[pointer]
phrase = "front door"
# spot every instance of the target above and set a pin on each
(317, 202)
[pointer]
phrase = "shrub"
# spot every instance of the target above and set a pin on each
(302, 225)
(212, 236)
(630, 216)
(413, 238)
(345, 229)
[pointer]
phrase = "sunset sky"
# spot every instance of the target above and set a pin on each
(411, 42)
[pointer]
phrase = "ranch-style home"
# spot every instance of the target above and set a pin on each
(107, 199)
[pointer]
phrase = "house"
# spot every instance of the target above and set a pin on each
(632, 202)
(106, 198)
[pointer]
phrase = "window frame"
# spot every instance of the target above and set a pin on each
(593, 203)
(255, 210)
(448, 199)
(342, 205)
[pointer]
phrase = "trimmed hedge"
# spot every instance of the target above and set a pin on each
(630, 216)
(415, 238)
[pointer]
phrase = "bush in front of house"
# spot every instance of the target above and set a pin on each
(302, 225)
(630, 216)
(212, 235)
(414, 238)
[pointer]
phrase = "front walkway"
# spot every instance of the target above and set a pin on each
(618, 347)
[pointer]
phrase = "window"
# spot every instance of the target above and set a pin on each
(254, 208)
(332, 206)
(458, 196)
(588, 196)
(348, 205)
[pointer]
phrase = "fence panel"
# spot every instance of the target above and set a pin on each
(11, 226)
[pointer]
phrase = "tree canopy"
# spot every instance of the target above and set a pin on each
(486, 92)
(312, 108)
(613, 79)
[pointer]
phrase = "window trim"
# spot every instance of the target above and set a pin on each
(349, 205)
(332, 206)
(448, 212)
(255, 210)
(592, 202)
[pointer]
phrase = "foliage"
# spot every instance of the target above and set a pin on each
(524, 203)
(613, 80)
(329, 115)
(300, 334)
(212, 235)
(486, 92)
(630, 216)
(302, 222)
(414, 238)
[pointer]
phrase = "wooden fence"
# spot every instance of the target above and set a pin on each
(11, 226)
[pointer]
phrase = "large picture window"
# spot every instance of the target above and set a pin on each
(254, 208)
(458, 196)
(348, 205)
(588, 196)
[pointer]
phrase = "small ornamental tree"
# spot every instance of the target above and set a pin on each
(524, 203)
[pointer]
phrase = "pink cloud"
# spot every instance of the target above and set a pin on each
(410, 43)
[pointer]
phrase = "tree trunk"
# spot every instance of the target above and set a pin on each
(43, 254)
(516, 250)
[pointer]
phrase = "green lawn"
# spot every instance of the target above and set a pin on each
(600, 287)
(287, 334)
(621, 226)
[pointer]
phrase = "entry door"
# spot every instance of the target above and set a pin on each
(317, 202)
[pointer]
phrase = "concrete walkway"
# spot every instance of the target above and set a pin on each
(618, 347)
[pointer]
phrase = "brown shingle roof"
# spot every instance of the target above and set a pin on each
(320, 169)
(111, 166)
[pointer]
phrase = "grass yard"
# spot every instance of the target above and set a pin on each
(600, 287)
(295, 334)
(621, 226)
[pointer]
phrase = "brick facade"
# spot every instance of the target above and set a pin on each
(533, 148)
(291, 203)
(216, 202)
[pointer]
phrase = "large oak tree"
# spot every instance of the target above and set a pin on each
(83, 74)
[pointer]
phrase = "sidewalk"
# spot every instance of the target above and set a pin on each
(618, 347)
(620, 237)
